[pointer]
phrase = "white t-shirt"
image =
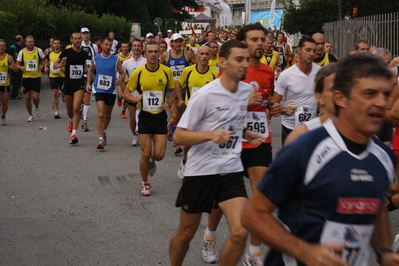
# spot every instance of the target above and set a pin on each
(131, 64)
(114, 46)
(297, 89)
(213, 108)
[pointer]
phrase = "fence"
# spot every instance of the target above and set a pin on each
(379, 30)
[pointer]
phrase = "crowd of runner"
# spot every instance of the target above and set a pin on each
(332, 183)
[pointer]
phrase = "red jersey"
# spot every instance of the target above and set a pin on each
(262, 80)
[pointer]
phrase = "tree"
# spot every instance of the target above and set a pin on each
(310, 15)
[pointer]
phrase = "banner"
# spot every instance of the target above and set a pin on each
(248, 12)
(263, 16)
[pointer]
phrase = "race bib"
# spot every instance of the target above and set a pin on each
(303, 114)
(152, 100)
(177, 70)
(257, 122)
(355, 237)
(54, 70)
(104, 82)
(3, 77)
(75, 72)
(31, 65)
(232, 148)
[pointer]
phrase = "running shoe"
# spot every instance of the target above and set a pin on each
(84, 126)
(256, 260)
(3, 121)
(135, 141)
(101, 144)
(169, 134)
(37, 112)
(119, 102)
(74, 139)
(30, 119)
(182, 167)
(209, 253)
(153, 168)
(145, 189)
(57, 115)
(123, 114)
(70, 126)
(177, 149)
(105, 138)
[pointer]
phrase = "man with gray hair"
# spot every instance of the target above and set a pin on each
(384, 54)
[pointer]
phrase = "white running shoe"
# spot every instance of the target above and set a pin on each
(395, 246)
(209, 253)
(3, 121)
(248, 260)
(37, 112)
(30, 119)
(180, 173)
(145, 189)
(135, 141)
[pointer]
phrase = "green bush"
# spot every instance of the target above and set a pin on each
(8, 27)
(42, 21)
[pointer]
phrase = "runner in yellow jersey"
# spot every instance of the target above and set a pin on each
(31, 57)
(56, 75)
(6, 63)
(270, 57)
(214, 59)
(148, 84)
(193, 78)
(123, 55)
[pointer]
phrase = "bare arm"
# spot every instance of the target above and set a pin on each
(122, 75)
(14, 67)
(186, 137)
(257, 218)
(381, 239)
(90, 74)
(392, 112)
(164, 58)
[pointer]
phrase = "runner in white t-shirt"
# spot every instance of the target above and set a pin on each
(213, 125)
(295, 85)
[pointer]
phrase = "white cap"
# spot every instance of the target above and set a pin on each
(176, 36)
(84, 29)
(149, 35)
(169, 31)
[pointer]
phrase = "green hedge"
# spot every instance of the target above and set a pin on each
(8, 27)
(36, 18)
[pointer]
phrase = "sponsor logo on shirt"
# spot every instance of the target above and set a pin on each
(222, 108)
(361, 175)
(255, 117)
(320, 157)
(358, 206)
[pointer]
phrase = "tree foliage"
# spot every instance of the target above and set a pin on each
(310, 15)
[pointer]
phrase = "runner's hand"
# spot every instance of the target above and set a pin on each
(275, 109)
(255, 98)
(326, 255)
(137, 98)
(291, 110)
(254, 138)
(180, 103)
(221, 136)
(88, 88)
(390, 259)
(166, 106)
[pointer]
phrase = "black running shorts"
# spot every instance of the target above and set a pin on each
(31, 84)
(202, 193)
(153, 124)
(107, 98)
(260, 156)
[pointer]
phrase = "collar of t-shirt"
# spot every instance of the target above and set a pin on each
(353, 147)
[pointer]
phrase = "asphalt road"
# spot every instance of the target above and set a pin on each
(74, 205)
